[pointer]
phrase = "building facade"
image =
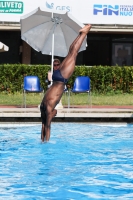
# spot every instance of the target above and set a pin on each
(110, 41)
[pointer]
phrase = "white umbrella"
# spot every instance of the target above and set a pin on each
(50, 32)
(3, 47)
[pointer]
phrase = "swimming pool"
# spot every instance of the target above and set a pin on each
(81, 161)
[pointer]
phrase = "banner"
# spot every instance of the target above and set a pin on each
(94, 12)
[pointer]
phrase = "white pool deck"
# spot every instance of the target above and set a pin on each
(71, 114)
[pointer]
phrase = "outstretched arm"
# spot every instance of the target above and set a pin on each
(49, 117)
(43, 132)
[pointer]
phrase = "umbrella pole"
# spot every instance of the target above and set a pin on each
(52, 56)
(59, 105)
(52, 52)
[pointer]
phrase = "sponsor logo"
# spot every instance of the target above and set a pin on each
(56, 7)
(117, 10)
(11, 7)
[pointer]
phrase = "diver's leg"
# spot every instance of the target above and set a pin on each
(68, 64)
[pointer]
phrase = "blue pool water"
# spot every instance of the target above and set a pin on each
(81, 161)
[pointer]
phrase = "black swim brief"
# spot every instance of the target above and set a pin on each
(58, 77)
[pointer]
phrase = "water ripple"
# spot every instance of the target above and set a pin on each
(81, 161)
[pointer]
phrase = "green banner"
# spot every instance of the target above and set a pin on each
(15, 7)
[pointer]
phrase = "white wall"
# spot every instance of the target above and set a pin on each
(86, 11)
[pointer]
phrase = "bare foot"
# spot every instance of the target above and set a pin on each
(85, 29)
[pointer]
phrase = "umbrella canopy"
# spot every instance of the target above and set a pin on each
(3, 47)
(51, 33)
(38, 27)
